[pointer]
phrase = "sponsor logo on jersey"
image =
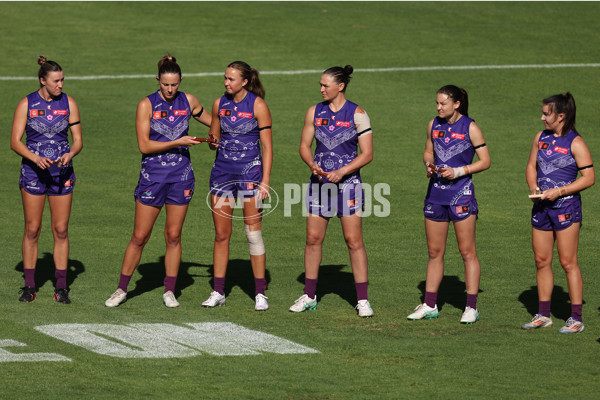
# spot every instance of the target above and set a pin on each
(351, 203)
(251, 186)
(59, 112)
(543, 146)
(180, 112)
(460, 136)
(439, 134)
(37, 113)
(322, 121)
(160, 114)
(462, 209)
(564, 217)
(68, 183)
(188, 193)
(345, 124)
(561, 150)
(225, 113)
(244, 115)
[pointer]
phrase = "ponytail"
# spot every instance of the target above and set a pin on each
(563, 104)
(247, 72)
(457, 94)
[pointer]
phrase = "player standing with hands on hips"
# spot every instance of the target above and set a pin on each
(452, 140)
(166, 177)
(241, 125)
(46, 116)
(340, 128)
(557, 155)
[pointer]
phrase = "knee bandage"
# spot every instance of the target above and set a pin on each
(255, 241)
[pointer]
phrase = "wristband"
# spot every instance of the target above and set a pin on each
(458, 172)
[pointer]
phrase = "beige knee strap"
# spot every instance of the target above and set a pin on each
(255, 241)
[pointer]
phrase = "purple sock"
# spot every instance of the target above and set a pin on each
(29, 277)
(544, 308)
(260, 285)
(361, 291)
(169, 283)
(431, 299)
(472, 301)
(576, 311)
(61, 278)
(310, 287)
(219, 285)
(124, 282)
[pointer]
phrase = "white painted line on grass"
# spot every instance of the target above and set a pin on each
(316, 71)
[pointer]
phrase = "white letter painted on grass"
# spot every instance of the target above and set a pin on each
(117, 340)
(171, 341)
(6, 356)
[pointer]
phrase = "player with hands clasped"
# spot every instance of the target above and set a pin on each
(557, 155)
(166, 177)
(46, 116)
(241, 126)
(341, 128)
(452, 141)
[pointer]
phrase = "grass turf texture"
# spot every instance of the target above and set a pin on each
(383, 357)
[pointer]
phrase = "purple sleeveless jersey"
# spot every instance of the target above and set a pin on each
(336, 136)
(47, 130)
(556, 165)
(451, 148)
(169, 122)
(239, 148)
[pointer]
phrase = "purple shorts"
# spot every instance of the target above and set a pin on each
(556, 219)
(226, 184)
(331, 199)
(158, 193)
(40, 182)
(447, 213)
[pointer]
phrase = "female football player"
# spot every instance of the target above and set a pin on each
(557, 155)
(241, 125)
(452, 140)
(46, 116)
(344, 139)
(166, 177)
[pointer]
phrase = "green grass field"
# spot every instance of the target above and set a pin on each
(383, 357)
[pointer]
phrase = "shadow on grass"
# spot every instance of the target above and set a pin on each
(452, 291)
(153, 275)
(44, 271)
(239, 273)
(333, 280)
(561, 304)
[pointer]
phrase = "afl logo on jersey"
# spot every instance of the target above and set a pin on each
(160, 114)
(543, 146)
(225, 113)
(439, 134)
(322, 121)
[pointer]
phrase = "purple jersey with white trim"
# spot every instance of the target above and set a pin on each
(168, 122)
(239, 146)
(336, 136)
(555, 164)
(47, 129)
(452, 148)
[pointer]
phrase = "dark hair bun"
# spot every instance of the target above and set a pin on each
(348, 69)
